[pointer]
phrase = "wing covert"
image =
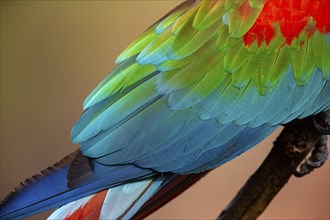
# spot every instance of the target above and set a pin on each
(205, 62)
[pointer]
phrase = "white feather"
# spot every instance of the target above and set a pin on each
(69, 208)
(123, 198)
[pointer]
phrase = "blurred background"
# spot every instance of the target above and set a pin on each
(53, 53)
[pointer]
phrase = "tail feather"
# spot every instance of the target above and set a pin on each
(52, 187)
(169, 191)
(135, 199)
(85, 208)
(127, 190)
(119, 202)
(123, 201)
(35, 190)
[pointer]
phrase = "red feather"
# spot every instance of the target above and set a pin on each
(91, 210)
(292, 17)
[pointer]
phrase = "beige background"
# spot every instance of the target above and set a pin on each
(54, 53)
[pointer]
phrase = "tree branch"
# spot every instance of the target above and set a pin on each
(293, 145)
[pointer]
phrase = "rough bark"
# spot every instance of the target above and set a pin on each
(293, 145)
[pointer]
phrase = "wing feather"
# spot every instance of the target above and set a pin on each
(208, 14)
(302, 63)
(195, 80)
(242, 19)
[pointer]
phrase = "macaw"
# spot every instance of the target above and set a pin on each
(202, 85)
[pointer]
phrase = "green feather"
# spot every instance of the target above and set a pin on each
(208, 14)
(185, 18)
(236, 58)
(280, 61)
(225, 40)
(257, 3)
(156, 51)
(240, 21)
(194, 93)
(190, 40)
(171, 17)
(232, 5)
(302, 63)
(101, 117)
(120, 79)
(242, 76)
(185, 76)
(174, 64)
(138, 45)
(321, 52)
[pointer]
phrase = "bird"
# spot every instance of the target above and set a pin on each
(202, 85)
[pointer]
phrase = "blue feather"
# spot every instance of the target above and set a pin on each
(221, 154)
(51, 189)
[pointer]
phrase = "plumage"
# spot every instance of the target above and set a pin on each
(87, 207)
(202, 85)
